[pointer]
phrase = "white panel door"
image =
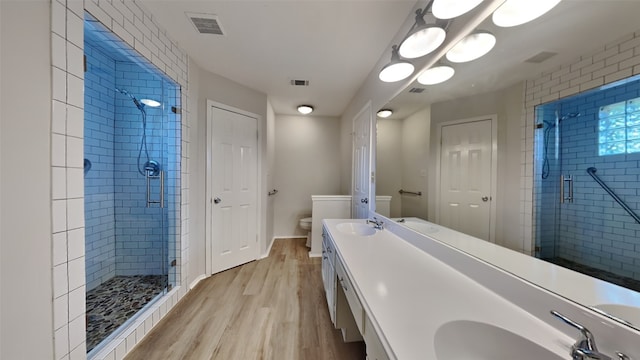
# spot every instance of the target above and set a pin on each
(465, 178)
(233, 174)
(361, 155)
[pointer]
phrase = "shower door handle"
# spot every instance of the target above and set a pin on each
(149, 176)
(568, 179)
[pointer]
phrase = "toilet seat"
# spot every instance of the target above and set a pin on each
(305, 223)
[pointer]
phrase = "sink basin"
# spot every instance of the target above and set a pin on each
(628, 314)
(359, 229)
(463, 340)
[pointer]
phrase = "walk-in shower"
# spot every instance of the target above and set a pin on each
(586, 188)
(132, 172)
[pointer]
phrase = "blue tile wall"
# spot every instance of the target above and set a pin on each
(593, 229)
(124, 237)
(99, 182)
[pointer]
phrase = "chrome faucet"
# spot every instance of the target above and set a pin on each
(585, 347)
(377, 224)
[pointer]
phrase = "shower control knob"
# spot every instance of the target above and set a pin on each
(217, 200)
(485, 198)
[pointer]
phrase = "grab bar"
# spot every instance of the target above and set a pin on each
(592, 171)
(419, 193)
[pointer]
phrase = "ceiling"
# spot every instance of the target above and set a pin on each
(338, 44)
(334, 44)
(572, 29)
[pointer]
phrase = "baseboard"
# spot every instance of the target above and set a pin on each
(196, 281)
(312, 255)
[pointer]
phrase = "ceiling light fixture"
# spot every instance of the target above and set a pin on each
(517, 12)
(448, 9)
(397, 69)
(472, 46)
(436, 75)
(422, 39)
(305, 109)
(384, 113)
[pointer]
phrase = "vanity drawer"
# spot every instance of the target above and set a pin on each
(352, 298)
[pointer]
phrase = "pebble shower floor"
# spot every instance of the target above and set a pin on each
(115, 301)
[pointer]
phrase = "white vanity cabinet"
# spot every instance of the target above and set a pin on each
(345, 307)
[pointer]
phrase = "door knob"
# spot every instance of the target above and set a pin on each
(217, 200)
(364, 201)
(485, 198)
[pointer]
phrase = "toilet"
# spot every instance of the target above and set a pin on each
(305, 224)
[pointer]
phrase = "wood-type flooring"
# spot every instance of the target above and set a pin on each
(273, 308)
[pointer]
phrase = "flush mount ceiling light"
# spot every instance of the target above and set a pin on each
(397, 69)
(473, 46)
(448, 9)
(384, 113)
(305, 109)
(517, 12)
(436, 75)
(150, 103)
(422, 39)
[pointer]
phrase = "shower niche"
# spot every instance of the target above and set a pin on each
(132, 143)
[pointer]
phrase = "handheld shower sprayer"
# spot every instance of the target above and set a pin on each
(138, 104)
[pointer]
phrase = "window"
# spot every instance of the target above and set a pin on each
(619, 128)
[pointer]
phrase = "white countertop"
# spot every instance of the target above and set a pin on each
(409, 294)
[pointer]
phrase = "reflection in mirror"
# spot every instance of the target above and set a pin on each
(536, 86)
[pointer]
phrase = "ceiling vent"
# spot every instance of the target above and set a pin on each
(416, 90)
(206, 23)
(297, 82)
(540, 57)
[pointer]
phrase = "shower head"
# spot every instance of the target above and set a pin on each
(570, 116)
(138, 104)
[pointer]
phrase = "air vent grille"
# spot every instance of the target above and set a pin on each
(206, 23)
(298, 82)
(416, 90)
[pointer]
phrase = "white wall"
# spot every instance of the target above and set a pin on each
(307, 152)
(508, 105)
(415, 162)
(388, 166)
(271, 164)
(26, 313)
(221, 90)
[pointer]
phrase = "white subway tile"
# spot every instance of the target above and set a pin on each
(76, 270)
(75, 152)
(58, 18)
(59, 248)
(58, 150)
(121, 349)
(75, 243)
(61, 341)
(77, 303)
(75, 183)
(131, 341)
(59, 215)
(75, 213)
(79, 353)
(619, 75)
(75, 29)
(123, 33)
(58, 183)
(77, 332)
(75, 122)
(58, 117)
(76, 6)
(75, 60)
(75, 91)
(625, 55)
(92, 7)
(58, 51)
(60, 312)
(60, 281)
(59, 84)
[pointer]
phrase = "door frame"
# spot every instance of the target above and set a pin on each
(209, 192)
(494, 167)
(365, 110)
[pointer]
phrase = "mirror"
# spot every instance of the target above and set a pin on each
(516, 102)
